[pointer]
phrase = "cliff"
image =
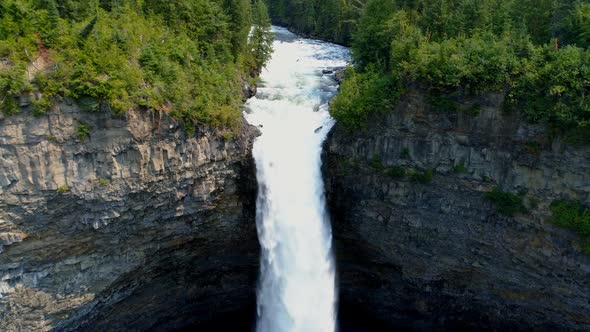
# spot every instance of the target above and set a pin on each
(438, 255)
(122, 222)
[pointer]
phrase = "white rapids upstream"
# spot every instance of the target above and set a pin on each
(297, 285)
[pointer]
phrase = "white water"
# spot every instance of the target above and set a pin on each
(297, 287)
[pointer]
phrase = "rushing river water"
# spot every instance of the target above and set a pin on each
(297, 286)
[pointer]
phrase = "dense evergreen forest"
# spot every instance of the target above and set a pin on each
(333, 20)
(534, 51)
(185, 57)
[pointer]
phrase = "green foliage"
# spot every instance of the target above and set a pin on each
(350, 166)
(186, 58)
(506, 203)
(84, 33)
(442, 104)
(63, 189)
(395, 172)
(9, 105)
(534, 51)
(574, 216)
(260, 43)
(228, 135)
(460, 168)
(423, 177)
(83, 131)
(103, 182)
(376, 163)
(333, 20)
(363, 95)
(372, 42)
(554, 87)
(577, 136)
(405, 153)
(578, 25)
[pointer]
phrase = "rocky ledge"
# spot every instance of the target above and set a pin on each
(434, 254)
(122, 222)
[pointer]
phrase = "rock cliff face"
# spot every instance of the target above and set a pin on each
(137, 227)
(438, 255)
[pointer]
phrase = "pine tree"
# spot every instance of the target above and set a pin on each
(261, 38)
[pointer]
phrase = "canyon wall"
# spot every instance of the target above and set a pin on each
(437, 255)
(133, 227)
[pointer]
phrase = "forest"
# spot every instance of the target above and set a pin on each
(535, 52)
(187, 58)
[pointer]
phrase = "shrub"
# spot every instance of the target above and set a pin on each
(460, 168)
(395, 172)
(376, 163)
(83, 131)
(443, 104)
(405, 154)
(506, 203)
(9, 106)
(349, 166)
(88, 104)
(424, 177)
(574, 216)
(103, 182)
(228, 135)
(41, 106)
(363, 95)
(63, 189)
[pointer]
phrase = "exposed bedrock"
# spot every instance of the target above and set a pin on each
(438, 255)
(136, 227)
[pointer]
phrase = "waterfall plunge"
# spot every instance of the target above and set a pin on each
(297, 288)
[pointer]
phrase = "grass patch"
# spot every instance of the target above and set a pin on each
(103, 182)
(574, 216)
(506, 203)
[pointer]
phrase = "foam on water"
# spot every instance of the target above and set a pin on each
(297, 287)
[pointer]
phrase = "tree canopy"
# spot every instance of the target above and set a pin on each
(536, 52)
(185, 57)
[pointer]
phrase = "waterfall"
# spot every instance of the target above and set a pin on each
(297, 285)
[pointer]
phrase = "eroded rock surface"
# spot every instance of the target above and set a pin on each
(137, 227)
(438, 255)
